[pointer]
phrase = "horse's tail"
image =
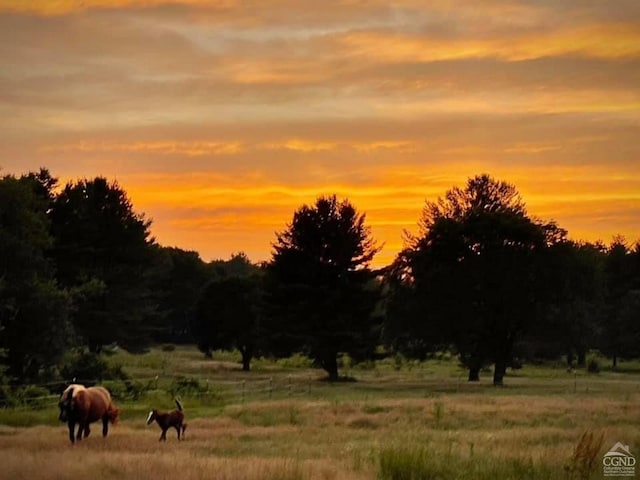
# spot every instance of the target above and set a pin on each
(178, 404)
(113, 413)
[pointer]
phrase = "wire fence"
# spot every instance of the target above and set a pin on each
(29, 396)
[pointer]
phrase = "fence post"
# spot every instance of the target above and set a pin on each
(270, 386)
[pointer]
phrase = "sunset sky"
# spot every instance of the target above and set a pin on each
(220, 118)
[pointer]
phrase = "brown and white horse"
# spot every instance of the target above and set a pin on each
(81, 405)
(167, 420)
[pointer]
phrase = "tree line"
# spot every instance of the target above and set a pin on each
(81, 272)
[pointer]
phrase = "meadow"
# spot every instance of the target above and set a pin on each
(389, 420)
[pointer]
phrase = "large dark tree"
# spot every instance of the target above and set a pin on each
(321, 292)
(620, 322)
(178, 282)
(474, 269)
(227, 316)
(238, 265)
(103, 252)
(34, 327)
(574, 283)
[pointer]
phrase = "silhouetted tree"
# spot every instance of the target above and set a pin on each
(475, 270)
(238, 265)
(621, 324)
(178, 282)
(227, 316)
(411, 325)
(321, 293)
(34, 327)
(103, 252)
(575, 285)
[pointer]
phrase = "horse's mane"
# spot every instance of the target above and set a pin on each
(76, 387)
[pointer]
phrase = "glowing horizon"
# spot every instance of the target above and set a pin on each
(220, 119)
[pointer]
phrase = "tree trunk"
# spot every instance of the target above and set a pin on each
(570, 358)
(499, 371)
(615, 361)
(246, 359)
(330, 365)
(582, 358)
(474, 374)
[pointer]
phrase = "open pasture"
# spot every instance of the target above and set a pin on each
(418, 421)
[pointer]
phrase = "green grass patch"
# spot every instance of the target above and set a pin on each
(421, 463)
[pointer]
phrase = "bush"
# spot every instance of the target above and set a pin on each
(593, 365)
(34, 396)
(89, 368)
(297, 360)
(125, 389)
(116, 388)
(186, 386)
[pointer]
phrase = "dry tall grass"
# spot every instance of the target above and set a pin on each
(341, 440)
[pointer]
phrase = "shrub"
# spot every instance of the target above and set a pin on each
(297, 360)
(116, 388)
(593, 365)
(186, 386)
(89, 368)
(33, 396)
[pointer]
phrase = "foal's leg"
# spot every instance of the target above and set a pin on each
(163, 435)
(177, 427)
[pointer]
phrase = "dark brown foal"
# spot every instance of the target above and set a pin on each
(167, 420)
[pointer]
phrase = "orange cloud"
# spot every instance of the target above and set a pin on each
(62, 7)
(599, 41)
(225, 213)
(221, 118)
(188, 149)
(301, 145)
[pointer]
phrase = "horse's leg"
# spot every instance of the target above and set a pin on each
(81, 428)
(163, 435)
(72, 427)
(177, 427)
(87, 430)
(105, 425)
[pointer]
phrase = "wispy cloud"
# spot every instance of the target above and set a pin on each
(222, 117)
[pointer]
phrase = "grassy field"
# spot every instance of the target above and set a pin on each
(397, 421)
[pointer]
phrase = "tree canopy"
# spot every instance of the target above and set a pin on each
(34, 311)
(227, 316)
(79, 268)
(321, 293)
(103, 252)
(474, 272)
